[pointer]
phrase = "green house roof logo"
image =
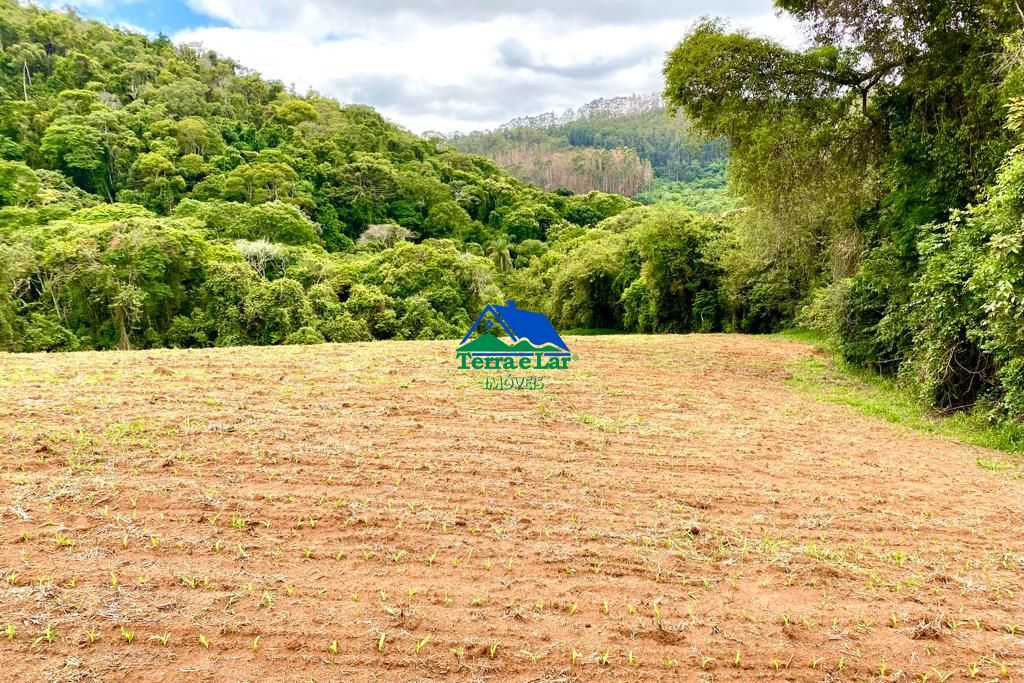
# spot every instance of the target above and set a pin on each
(529, 334)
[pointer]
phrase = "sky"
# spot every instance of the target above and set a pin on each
(445, 65)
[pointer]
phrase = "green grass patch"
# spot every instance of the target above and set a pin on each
(833, 380)
(608, 424)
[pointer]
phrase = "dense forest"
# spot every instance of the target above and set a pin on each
(155, 195)
(884, 172)
(162, 195)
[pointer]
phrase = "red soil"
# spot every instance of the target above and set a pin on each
(668, 509)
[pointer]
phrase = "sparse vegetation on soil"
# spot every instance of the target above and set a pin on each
(829, 378)
(670, 508)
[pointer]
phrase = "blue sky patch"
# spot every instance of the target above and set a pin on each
(162, 16)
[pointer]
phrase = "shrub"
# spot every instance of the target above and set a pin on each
(968, 306)
(375, 308)
(272, 311)
(345, 328)
(874, 329)
(420, 321)
(305, 335)
(42, 333)
(825, 307)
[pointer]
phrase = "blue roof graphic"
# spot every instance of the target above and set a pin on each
(520, 324)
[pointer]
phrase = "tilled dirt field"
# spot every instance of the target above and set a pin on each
(671, 508)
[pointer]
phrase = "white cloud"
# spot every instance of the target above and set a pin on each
(325, 15)
(457, 64)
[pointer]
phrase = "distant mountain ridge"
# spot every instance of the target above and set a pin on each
(623, 145)
(625, 106)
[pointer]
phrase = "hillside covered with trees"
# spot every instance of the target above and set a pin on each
(627, 145)
(155, 195)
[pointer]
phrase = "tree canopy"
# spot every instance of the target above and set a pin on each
(880, 167)
(153, 194)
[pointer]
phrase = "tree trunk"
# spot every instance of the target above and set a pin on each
(123, 343)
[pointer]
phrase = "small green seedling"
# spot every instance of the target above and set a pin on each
(49, 635)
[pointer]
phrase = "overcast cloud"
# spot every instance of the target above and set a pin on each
(461, 64)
